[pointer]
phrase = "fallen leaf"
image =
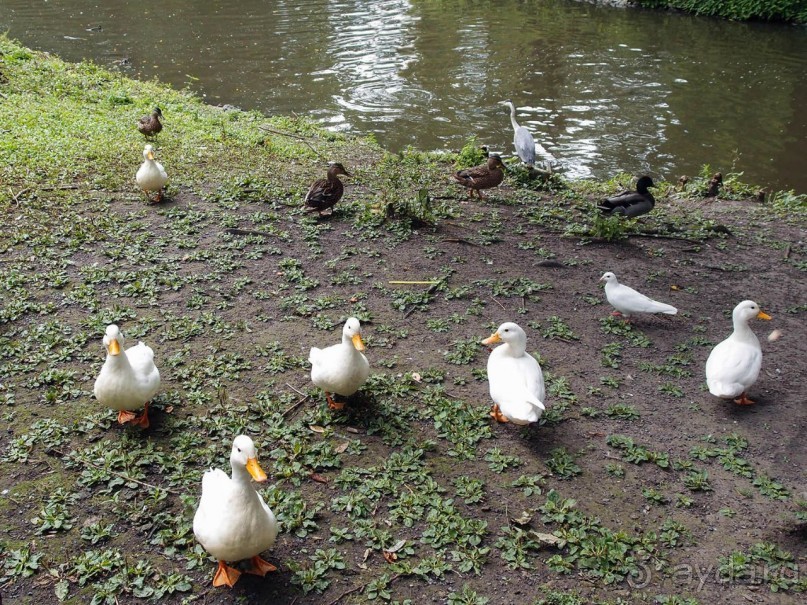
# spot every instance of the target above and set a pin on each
(318, 478)
(550, 539)
(316, 428)
(398, 546)
(674, 288)
(774, 336)
(416, 377)
(390, 557)
(169, 409)
(366, 554)
(524, 518)
(350, 429)
(340, 449)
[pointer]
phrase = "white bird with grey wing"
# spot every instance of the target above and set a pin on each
(628, 301)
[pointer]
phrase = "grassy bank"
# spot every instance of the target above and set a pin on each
(634, 478)
(791, 11)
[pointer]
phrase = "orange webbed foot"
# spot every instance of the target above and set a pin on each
(744, 400)
(225, 575)
(125, 416)
(497, 415)
(260, 567)
(333, 405)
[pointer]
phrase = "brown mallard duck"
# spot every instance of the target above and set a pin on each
(481, 177)
(324, 193)
(150, 125)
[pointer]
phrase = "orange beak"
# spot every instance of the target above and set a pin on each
(357, 342)
(150, 155)
(254, 469)
(762, 315)
(492, 339)
(114, 347)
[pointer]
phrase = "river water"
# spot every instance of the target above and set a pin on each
(603, 89)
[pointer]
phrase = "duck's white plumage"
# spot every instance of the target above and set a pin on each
(232, 521)
(628, 301)
(516, 380)
(151, 176)
(129, 378)
(734, 364)
(341, 368)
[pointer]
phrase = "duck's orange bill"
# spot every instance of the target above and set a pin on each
(114, 347)
(492, 339)
(763, 315)
(150, 155)
(357, 342)
(254, 469)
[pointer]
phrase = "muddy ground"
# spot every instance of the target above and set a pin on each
(231, 317)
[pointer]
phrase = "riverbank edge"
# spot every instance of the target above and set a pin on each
(72, 127)
(786, 15)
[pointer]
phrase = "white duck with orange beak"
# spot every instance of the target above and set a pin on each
(341, 368)
(232, 521)
(128, 379)
(515, 377)
(151, 176)
(734, 364)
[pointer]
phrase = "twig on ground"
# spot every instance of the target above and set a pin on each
(459, 240)
(360, 587)
(117, 474)
(247, 232)
(291, 136)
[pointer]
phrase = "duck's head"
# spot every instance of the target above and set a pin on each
(113, 340)
(643, 183)
(609, 278)
(157, 112)
(148, 152)
(245, 455)
(352, 331)
(510, 333)
(337, 168)
(495, 161)
(748, 310)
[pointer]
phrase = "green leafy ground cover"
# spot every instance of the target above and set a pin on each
(637, 487)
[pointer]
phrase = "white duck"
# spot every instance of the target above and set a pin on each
(342, 368)
(151, 175)
(516, 380)
(628, 301)
(232, 521)
(734, 364)
(128, 379)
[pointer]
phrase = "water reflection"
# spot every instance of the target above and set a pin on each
(602, 89)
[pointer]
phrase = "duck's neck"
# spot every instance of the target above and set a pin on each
(743, 332)
(241, 476)
(347, 341)
(119, 361)
(515, 349)
(332, 176)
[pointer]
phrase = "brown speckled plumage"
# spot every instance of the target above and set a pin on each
(150, 125)
(484, 176)
(324, 193)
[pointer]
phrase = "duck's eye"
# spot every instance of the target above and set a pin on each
(239, 449)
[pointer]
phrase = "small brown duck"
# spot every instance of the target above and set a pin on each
(484, 176)
(324, 193)
(150, 125)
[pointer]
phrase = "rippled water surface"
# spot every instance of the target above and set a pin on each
(603, 89)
